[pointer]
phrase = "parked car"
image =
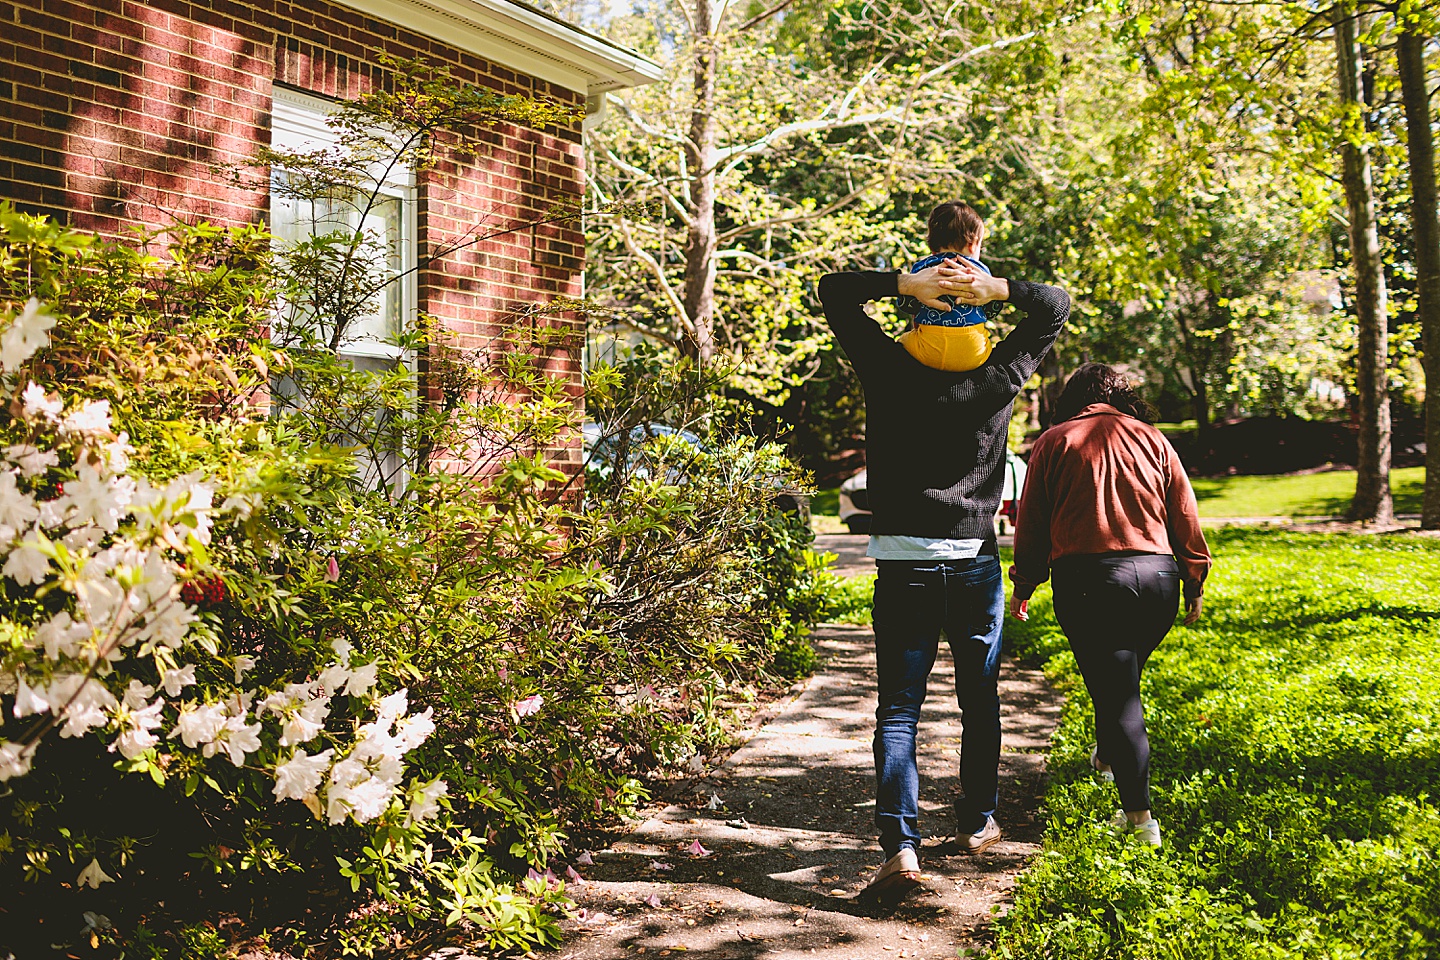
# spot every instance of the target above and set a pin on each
(855, 499)
(600, 451)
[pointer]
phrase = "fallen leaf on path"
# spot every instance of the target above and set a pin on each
(738, 823)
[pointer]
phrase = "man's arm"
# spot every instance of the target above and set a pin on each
(1016, 358)
(843, 297)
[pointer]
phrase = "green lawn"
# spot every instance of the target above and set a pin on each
(1296, 740)
(1313, 494)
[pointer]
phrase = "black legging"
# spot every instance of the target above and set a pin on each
(1115, 608)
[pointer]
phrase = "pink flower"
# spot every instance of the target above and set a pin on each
(573, 875)
(529, 706)
(695, 850)
(585, 860)
(653, 901)
(332, 570)
(661, 867)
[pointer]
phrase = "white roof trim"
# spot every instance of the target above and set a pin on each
(521, 38)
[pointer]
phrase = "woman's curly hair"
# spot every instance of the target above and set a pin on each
(1100, 383)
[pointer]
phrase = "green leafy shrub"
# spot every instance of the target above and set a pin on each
(505, 657)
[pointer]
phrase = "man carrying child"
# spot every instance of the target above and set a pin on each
(935, 451)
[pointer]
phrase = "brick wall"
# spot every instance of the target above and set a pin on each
(117, 113)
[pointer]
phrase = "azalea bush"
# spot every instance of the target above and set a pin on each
(304, 677)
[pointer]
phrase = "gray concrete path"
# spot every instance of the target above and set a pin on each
(780, 861)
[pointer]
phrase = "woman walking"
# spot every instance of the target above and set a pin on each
(1108, 512)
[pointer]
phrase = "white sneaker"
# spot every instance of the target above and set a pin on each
(897, 876)
(1147, 833)
(982, 839)
(1107, 775)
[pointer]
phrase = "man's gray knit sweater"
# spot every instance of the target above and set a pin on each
(935, 441)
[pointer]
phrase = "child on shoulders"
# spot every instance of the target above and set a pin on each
(954, 339)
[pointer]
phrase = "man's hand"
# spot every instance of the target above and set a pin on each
(1019, 609)
(925, 285)
(973, 287)
(1192, 611)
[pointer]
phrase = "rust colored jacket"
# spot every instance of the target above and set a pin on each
(1101, 482)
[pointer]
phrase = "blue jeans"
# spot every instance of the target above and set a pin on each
(914, 603)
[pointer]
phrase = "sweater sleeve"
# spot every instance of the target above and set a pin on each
(1182, 522)
(1016, 358)
(1032, 527)
(843, 297)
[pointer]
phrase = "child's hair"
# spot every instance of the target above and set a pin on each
(954, 225)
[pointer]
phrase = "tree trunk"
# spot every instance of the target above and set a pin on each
(1372, 479)
(1410, 52)
(700, 239)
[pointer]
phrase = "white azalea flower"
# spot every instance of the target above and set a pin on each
(200, 725)
(83, 538)
(242, 665)
(32, 461)
(36, 403)
(97, 499)
(92, 418)
(343, 648)
(297, 778)
(138, 736)
(305, 724)
(28, 700)
(27, 565)
(391, 707)
(425, 802)
(92, 876)
(26, 334)
(239, 738)
(17, 508)
(332, 678)
(138, 694)
(414, 730)
(363, 802)
(117, 453)
(362, 679)
(15, 759)
(90, 705)
(52, 512)
(61, 636)
(173, 681)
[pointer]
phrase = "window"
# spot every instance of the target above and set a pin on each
(382, 214)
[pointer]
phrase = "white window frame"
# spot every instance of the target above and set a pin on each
(297, 122)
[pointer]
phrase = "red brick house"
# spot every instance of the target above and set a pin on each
(115, 113)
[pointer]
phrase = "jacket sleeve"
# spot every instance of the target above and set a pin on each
(1032, 526)
(843, 297)
(1016, 358)
(1182, 522)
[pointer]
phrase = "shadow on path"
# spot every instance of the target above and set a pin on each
(793, 841)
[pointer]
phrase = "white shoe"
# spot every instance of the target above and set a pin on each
(1147, 833)
(982, 839)
(1107, 775)
(897, 876)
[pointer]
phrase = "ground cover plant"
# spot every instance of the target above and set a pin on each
(1296, 732)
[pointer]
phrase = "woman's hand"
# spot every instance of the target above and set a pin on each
(1019, 609)
(1192, 611)
(971, 286)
